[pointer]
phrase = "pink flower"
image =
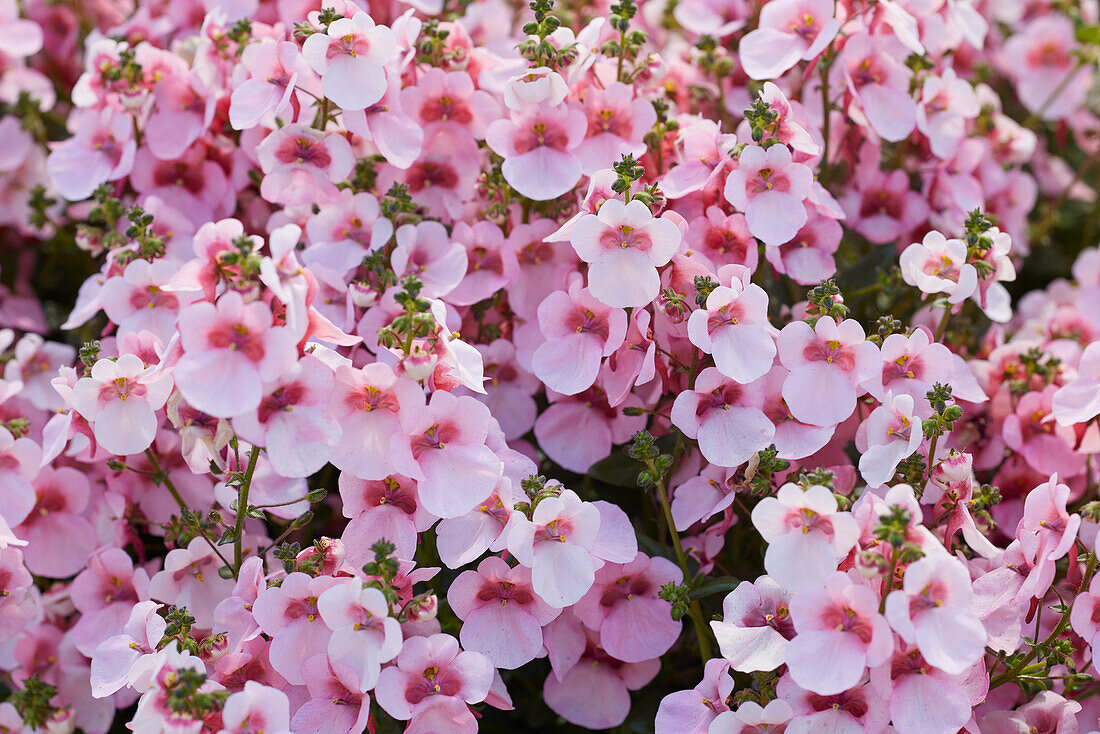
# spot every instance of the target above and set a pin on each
(938, 265)
(190, 579)
(256, 708)
(386, 508)
(115, 656)
(879, 82)
(351, 57)
(725, 417)
(734, 327)
(447, 104)
(1047, 531)
(829, 363)
(136, 300)
(881, 206)
(335, 705)
(1078, 401)
(120, 399)
(595, 691)
(947, 102)
(58, 536)
(716, 18)
(789, 31)
(301, 165)
(859, 710)
(556, 544)
(932, 610)
(693, 711)
(432, 671)
(363, 634)
(910, 683)
(617, 122)
(1047, 710)
(18, 37)
(750, 718)
(840, 635)
(756, 626)
(454, 468)
(623, 606)
(1040, 55)
(808, 258)
(580, 331)
(807, 537)
(912, 364)
(624, 245)
(273, 68)
(770, 189)
(288, 614)
(102, 149)
(292, 421)
(236, 341)
(428, 252)
(1031, 431)
(502, 618)
(893, 431)
(538, 145)
(35, 363)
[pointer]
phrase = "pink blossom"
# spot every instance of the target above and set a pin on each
(292, 421)
(386, 508)
(448, 104)
(301, 165)
(335, 705)
(1078, 400)
(35, 363)
(502, 618)
(556, 544)
(789, 31)
(750, 718)
(432, 671)
(725, 417)
(1040, 55)
(428, 252)
(808, 258)
(136, 300)
(1047, 709)
(623, 606)
(363, 634)
(829, 363)
(1034, 435)
(734, 327)
(756, 626)
(191, 579)
(101, 149)
(624, 245)
(1047, 531)
(893, 432)
(115, 656)
(939, 265)
(617, 122)
(539, 146)
(933, 611)
(256, 708)
(947, 102)
(59, 538)
(120, 399)
(807, 537)
(770, 189)
(351, 56)
(859, 710)
(840, 635)
(911, 683)
(288, 613)
(454, 468)
(712, 17)
(273, 69)
(693, 711)
(580, 331)
(879, 81)
(237, 341)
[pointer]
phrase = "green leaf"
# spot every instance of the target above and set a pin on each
(720, 585)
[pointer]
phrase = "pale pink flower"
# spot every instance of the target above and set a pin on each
(858, 710)
(363, 634)
(120, 398)
(288, 614)
(273, 69)
(770, 189)
(912, 684)
(693, 711)
(137, 300)
(556, 544)
(624, 607)
(256, 708)
(879, 82)
(351, 57)
(18, 37)
(947, 102)
(734, 327)
(58, 536)
(624, 244)
(807, 537)
(756, 626)
(429, 672)
(335, 705)
(114, 657)
(541, 86)
(580, 331)
(1040, 55)
(938, 265)
(301, 165)
(35, 363)
(1046, 709)
(236, 341)
(427, 251)
(789, 31)
(840, 635)
(829, 364)
(447, 103)
(725, 417)
(617, 122)
(381, 509)
(539, 146)
(102, 149)
(190, 579)
(1047, 530)
(502, 617)
(1047, 447)
(454, 468)
(751, 718)
(1078, 401)
(933, 610)
(893, 432)
(717, 18)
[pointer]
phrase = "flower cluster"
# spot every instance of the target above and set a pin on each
(428, 366)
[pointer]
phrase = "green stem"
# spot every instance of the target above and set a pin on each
(162, 476)
(242, 508)
(702, 632)
(941, 328)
